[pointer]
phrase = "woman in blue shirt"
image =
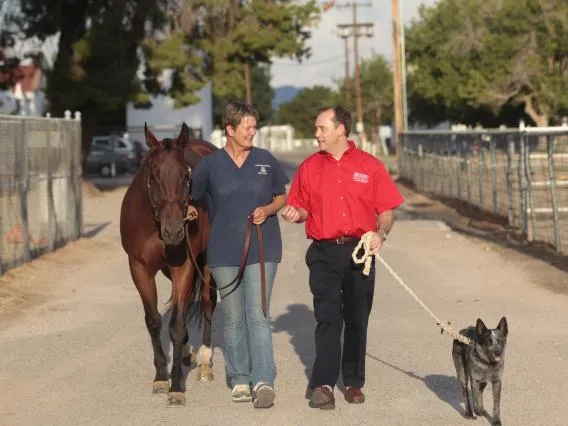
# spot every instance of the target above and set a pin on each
(240, 180)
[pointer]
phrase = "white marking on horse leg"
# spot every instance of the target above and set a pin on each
(205, 355)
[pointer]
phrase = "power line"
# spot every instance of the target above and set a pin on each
(322, 61)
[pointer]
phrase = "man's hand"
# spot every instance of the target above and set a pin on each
(291, 214)
(259, 215)
(377, 240)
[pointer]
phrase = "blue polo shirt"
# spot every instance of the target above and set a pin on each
(233, 194)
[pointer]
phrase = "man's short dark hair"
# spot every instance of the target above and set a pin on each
(236, 111)
(341, 116)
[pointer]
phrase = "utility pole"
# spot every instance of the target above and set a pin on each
(247, 84)
(344, 34)
(403, 71)
(357, 30)
(397, 77)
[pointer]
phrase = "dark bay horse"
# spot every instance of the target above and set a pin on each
(157, 237)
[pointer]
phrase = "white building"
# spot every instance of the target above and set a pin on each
(26, 96)
(165, 120)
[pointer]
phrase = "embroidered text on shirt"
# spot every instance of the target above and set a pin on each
(262, 168)
(360, 177)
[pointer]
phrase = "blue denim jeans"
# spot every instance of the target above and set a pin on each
(249, 358)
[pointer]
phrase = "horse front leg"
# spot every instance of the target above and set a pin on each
(146, 286)
(182, 285)
(208, 303)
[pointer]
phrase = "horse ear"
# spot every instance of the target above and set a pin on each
(151, 140)
(183, 137)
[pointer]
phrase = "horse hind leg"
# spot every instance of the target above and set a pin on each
(146, 286)
(208, 303)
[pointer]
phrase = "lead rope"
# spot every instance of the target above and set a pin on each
(365, 244)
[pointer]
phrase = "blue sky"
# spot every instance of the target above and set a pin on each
(327, 60)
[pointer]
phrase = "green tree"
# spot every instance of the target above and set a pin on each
(301, 112)
(98, 57)
(262, 95)
(376, 93)
(239, 33)
(478, 61)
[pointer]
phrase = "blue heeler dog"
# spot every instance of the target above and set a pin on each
(479, 363)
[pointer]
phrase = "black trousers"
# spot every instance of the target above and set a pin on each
(341, 295)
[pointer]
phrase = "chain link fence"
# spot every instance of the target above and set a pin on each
(521, 175)
(40, 186)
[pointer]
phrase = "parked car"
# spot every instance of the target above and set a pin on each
(107, 162)
(140, 149)
(115, 143)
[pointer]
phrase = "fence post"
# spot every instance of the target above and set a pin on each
(50, 201)
(523, 182)
(552, 180)
(22, 173)
(481, 172)
(528, 176)
(510, 155)
(468, 171)
(493, 173)
(77, 177)
(459, 166)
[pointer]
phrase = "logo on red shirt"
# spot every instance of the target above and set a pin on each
(360, 177)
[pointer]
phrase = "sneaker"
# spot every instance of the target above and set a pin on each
(241, 393)
(264, 396)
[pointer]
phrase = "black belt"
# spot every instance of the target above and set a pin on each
(340, 240)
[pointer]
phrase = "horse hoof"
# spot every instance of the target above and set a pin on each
(176, 399)
(204, 374)
(160, 387)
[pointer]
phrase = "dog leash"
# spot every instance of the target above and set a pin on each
(366, 258)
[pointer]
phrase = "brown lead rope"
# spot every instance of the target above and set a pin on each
(246, 247)
(262, 270)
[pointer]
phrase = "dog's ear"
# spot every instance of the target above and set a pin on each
(480, 328)
(503, 326)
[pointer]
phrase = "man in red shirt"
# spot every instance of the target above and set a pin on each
(340, 193)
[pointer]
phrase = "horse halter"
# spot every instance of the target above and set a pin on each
(156, 207)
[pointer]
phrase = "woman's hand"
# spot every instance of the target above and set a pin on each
(259, 215)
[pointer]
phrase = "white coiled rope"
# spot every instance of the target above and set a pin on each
(366, 257)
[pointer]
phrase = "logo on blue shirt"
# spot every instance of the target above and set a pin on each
(262, 168)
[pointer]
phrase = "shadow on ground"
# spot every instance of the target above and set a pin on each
(446, 388)
(93, 229)
(109, 183)
(299, 323)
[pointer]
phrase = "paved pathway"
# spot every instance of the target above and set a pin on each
(83, 357)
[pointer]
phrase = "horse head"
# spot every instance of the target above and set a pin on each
(168, 183)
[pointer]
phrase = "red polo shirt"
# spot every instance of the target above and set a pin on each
(343, 197)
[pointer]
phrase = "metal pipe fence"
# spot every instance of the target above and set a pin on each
(521, 175)
(40, 186)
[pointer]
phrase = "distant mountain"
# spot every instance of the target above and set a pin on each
(284, 94)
